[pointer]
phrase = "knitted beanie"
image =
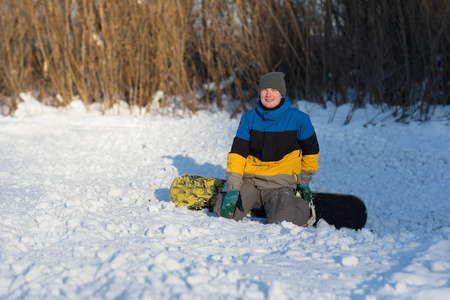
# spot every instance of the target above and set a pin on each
(273, 80)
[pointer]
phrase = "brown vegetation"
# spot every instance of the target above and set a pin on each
(359, 51)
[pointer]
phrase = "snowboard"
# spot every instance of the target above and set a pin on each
(200, 192)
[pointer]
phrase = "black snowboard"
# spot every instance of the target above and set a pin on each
(340, 210)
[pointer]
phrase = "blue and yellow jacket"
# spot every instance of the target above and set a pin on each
(272, 147)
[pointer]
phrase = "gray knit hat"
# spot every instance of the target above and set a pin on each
(273, 80)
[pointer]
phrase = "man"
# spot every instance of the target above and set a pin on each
(274, 154)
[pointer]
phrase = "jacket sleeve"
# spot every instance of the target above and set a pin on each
(237, 157)
(310, 153)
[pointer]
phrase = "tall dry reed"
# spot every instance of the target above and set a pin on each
(103, 51)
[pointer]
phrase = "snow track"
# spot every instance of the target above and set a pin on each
(85, 212)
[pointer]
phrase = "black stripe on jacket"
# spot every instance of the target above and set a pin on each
(273, 146)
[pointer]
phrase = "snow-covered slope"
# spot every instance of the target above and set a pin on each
(85, 211)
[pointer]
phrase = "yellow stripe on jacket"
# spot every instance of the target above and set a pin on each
(290, 164)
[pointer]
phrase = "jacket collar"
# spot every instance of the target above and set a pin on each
(273, 114)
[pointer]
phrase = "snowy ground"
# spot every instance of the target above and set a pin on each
(85, 211)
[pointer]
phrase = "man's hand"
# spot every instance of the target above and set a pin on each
(305, 192)
(229, 204)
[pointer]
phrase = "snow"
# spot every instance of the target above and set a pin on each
(85, 210)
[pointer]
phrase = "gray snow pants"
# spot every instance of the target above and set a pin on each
(279, 204)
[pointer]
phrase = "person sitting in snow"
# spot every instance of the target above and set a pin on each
(274, 154)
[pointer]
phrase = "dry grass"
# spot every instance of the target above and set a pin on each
(382, 52)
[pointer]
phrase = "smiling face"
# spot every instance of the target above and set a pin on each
(270, 98)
